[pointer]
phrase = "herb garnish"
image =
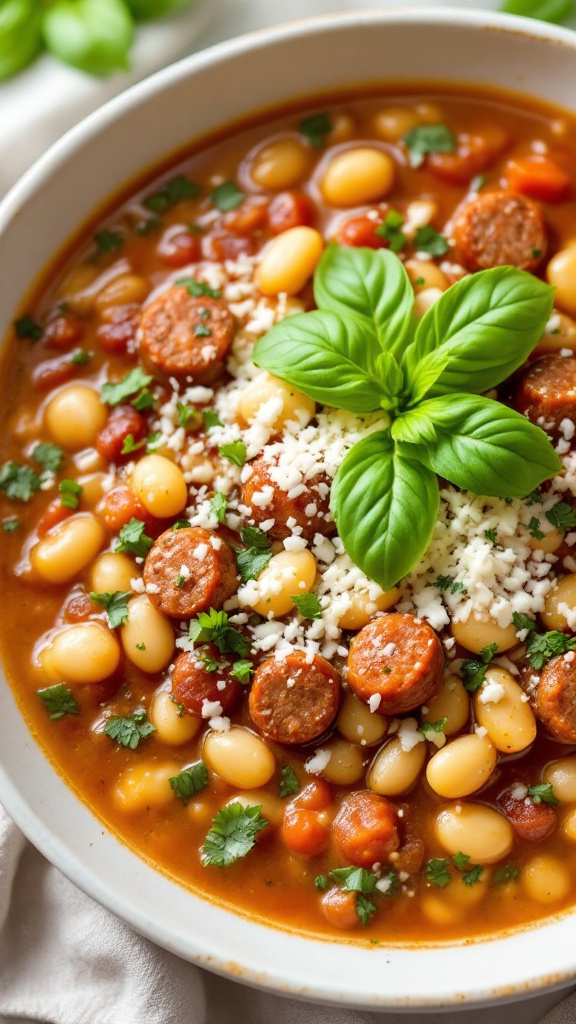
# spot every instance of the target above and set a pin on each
(197, 288)
(233, 834)
(430, 729)
(116, 606)
(289, 783)
(117, 391)
(219, 506)
(427, 239)
(308, 605)
(508, 873)
(561, 515)
(428, 138)
(316, 127)
(70, 493)
(133, 539)
(227, 196)
(555, 11)
(58, 701)
(360, 351)
(543, 793)
(211, 419)
(255, 557)
(26, 327)
(19, 483)
(108, 241)
(437, 872)
(391, 230)
(242, 670)
(189, 781)
(541, 647)
(213, 627)
(172, 192)
(49, 456)
(447, 583)
(474, 669)
(130, 730)
(235, 452)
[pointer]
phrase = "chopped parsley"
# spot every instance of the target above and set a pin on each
(508, 873)
(49, 456)
(355, 880)
(391, 231)
(219, 506)
(153, 441)
(19, 483)
(252, 537)
(431, 728)
(144, 400)
(116, 606)
(213, 627)
(250, 562)
(70, 493)
(130, 730)
(198, 289)
(201, 331)
(227, 196)
(242, 670)
(108, 241)
(140, 646)
(211, 419)
(171, 193)
(543, 793)
(133, 539)
(235, 452)
(472, 876)
(522, 621)
(477, 183)
(474, 669)
(562, 516)
(428, 240)
(187, 415)
(428, 138)
(534, 529)
(10, 524)
(189, 781)
(461, 860)
(492, 536)
(321, 882)
(437, 872)
(129, 445)
(541, 647)
(534, 498)
(26, 327)
(58, 701)
(289, 783)
(118, 391)
(447, 583)
(308, 605)
(180, 524)
(233, 834)
(316, 127)
(364, 908)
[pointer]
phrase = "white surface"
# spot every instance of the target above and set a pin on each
(233, 16)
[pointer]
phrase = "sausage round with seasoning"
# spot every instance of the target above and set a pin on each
(546, 391)
(183, 335)
(365, 829)
(308, 503)
(397, 658)
(204, 675)
(500, 228)
(555, 699)
(530, 821)
(189, 571)
(294, 700)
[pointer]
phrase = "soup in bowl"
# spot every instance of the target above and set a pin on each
(288, 508)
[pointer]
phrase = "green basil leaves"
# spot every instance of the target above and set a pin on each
(362, 351)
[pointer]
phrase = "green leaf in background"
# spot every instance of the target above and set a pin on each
(144, 10)
(93, 35)
(546, 10)
(20, 35)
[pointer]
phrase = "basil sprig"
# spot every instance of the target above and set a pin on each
(363, 351)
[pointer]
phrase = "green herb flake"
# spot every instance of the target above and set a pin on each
(316, 127)
(49, 456)
(431, 728)
(364, 908)
(133, 539)
(116, 606)
(321, 882)
(144, 400)
(201, 331)
(534, 498)
(391, 231)
(505, 874)
(140, 646)
(171, 193)
(10, 524)
(186, 415)
(28, 328)
(492, 536)
(355, 880)
(543, 793)
(474, 669)
(198, 289)
(211, 419)
(534, 529)
(522, 622)
(253, 537)
(227, 196)
(308, 605)
(541, 647)
(430, 241)
(472, 876)
(153, 441)
(437, 872)
(235, 452)
(219, 506)
(58, 701)
(562, 516)
(289, 784)
(242, 670)
(113, 393)
(233, 834)
(447, 583)
(70, 493)
(461, 860)
(250, 562)
(181, 524)
(214, 627)
(128, 731)
(19, 483)
(108, 241)
(80, 357)
(428, 138)
(189, 781)
(129, 445)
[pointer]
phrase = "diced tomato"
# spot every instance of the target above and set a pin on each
(117, 334)
(52, 372)
(360, 231)
(304, 831)
(250, 216)
(54, 514)
(78, 608)
(223, 245)
(120, 506)
(540, 178)
(177, 247)
(63, 332)
(316, 796)
(475, 153)
(124, 420)
(290, 210)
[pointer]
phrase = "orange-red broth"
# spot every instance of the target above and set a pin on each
(270, 882)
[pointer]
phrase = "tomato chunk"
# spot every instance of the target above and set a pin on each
(540, 178)
(365, 829)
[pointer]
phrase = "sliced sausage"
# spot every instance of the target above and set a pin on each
(366, 829)
(185, 336)
(117, 333)
(546, 391)
(500, 228)
(124, 421)
(294, 700)
(309, 505)
(204, 674)
(189, 571)
(398, 658)
(530, 821)
(555, 699)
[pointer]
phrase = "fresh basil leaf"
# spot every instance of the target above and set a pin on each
(331, 357)
(414, 427)
(555, 11)
(371, 284)
(487, 324)
(427, 374)
(385, 507)
(484, 447)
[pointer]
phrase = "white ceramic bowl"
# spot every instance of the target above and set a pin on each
(114, 145)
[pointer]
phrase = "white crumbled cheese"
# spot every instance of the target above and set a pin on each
(316, 764)
(200, 552)
(374, 702)
(569, 656)
(219, 723)
(491, 692)
(384, 884)
(567, 429)
(137, 585)
(409, 734)
(519, 792)
(480, 730)
(211, 708)
(566, 353)
(388, 650)
(295, 544)
(569, 614)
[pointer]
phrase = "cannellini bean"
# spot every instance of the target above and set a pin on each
(564, 336)
(112, 571)
(296, 407)
(85, 652)
(564, 593)
(452, 703)
(474, 634)
(549, 543)
(343, 128)
(239, 757)
(456, 901)
(358, 724)
(144, 785)
(346, 765)
(362, 608)
(272, 808)
(425, 300)
(68, 548)
(288, 574)
(462, 767)
(123, 290)
(289, 260)
(546, 879)
(507, 718)
(561, 273)
(482, 833)
(75, 416)
(425, 274)
(359, 175)
(562, 776)
(568, 826)
(173, 726)
(281, 163)
(395, 771)
(147, 636)
(160, 486)
(391, 123)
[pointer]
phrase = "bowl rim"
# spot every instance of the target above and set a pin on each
(290, 977)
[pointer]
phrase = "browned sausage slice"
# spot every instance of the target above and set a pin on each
(185, 336)
(530, 821)
(555, 700)
(294, 701)
(267, 500)
(546, 391)
(204, 674)
(500, 228)
(189, 571)
(397, 658)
